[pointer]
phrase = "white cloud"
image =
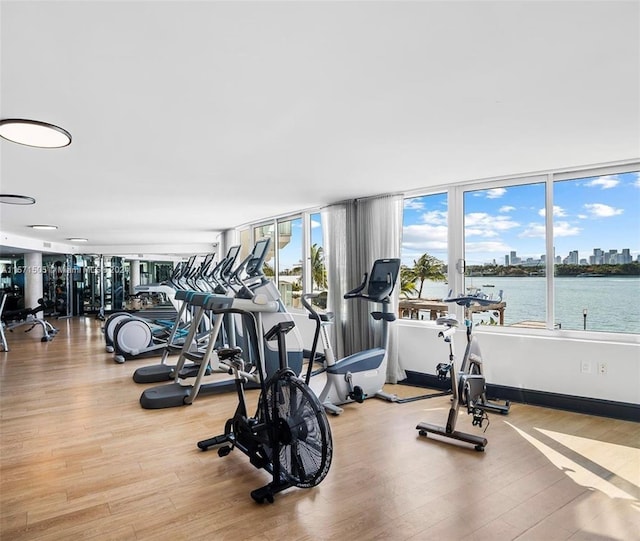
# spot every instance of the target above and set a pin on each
(600, 210)
(425, 237)
(636, 182)
(560, 229)
(496, 193)
(414, 203)
(605, 182)
(533, 230)
(558, 212)
(486, 225)
(565, 229)
(479, 232)
(489, 247)
(315, 223)
(435, 217)
(507, 208)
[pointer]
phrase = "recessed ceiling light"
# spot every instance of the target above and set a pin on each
(77, 239)
(34, 133)
(43, 226)
(11, 199)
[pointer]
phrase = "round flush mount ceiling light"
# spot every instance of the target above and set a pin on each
(34, 133)
(12, 199)
(43, 226)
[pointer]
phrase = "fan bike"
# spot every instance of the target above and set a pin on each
(289, 436)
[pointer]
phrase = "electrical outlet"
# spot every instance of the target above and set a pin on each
(585, 367)
(602, 368)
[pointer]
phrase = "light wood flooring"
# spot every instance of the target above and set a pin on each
(80, 459)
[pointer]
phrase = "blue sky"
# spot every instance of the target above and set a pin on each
(595, 212)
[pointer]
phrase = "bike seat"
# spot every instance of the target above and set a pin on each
(228, 353)
(450, 319)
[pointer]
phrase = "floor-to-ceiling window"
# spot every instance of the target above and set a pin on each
(317, 268)
(290, 260)
(423, 274)
(296, 260)
(504, 252)
(596, 235)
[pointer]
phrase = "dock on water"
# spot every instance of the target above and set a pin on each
(411, 308)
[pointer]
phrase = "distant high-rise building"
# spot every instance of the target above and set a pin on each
(626, 256)
(598, 257)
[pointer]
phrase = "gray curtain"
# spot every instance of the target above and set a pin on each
(334, 233)
(357, 233)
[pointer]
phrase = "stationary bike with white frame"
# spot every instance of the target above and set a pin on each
(360, 375)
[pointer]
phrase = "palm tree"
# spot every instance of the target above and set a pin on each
(427, 267)
(407, 282)
(318, 270)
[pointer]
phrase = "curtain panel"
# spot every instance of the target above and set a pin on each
(356, 233)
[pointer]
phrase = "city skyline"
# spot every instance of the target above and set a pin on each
(598, 257)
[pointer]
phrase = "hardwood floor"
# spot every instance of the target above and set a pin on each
(80, 459)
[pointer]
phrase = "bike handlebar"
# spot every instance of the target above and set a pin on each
(478, 298)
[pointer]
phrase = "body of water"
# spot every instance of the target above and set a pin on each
(612, 303)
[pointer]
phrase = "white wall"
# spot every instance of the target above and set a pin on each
(550, 361)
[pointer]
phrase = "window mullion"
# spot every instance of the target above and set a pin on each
(455, 221)
(550, 251)
(306, 252)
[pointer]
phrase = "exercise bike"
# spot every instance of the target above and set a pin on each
(468, 385)
(289, 435)
(360, 375)
(472, 358)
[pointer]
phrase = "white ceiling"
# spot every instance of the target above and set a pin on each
(193, 117)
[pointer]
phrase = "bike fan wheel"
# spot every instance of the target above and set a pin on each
(303, 432)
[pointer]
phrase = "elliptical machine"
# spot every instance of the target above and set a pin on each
(289, 435)
(136, 337)
(163, 371)
(158, 328)
(468, 385)
(254, 293)
(363, 374)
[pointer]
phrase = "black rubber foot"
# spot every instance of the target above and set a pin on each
(224, 451)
